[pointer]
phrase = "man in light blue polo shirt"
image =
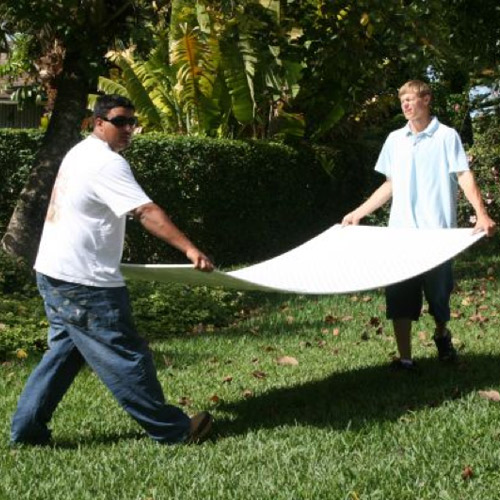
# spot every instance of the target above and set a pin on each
(424, 163)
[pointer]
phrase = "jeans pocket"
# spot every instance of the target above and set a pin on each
(103, 318)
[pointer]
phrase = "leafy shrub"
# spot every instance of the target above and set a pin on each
(162, 309)
(240, 201)
(16, 276)
(485, 163)
(17, 151)
(22, 324)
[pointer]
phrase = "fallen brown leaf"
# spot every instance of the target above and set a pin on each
(287, 360)
(215, 398)
(422, 335)
(227, 379)
(259, 374)
(491, 395)
(330, 319)
(478, 318)
(467, 473)
(247, 393)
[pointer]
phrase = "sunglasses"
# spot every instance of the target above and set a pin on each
(121, 121)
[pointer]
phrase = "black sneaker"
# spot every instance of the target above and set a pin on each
(446, 351)
(398, 366)
(201, 425)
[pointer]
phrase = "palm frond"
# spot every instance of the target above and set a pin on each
(132, 75)
(238, 62)
(195, 57)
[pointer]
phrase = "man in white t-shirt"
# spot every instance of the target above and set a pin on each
(85, 297)
(424, 163)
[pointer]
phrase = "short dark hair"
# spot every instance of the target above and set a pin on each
(105, 103)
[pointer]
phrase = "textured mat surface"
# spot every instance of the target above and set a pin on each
(339, 260)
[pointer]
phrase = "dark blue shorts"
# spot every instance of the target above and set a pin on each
(404, 300)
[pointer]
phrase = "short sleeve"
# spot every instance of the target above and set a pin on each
(117, 188)
(457, 159)
(384, 162)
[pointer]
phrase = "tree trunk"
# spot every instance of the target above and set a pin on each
(23, 233)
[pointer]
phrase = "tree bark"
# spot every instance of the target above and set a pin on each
(23, 233)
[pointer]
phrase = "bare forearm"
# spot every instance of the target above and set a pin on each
(157, 222)
(473, 194)
(471, 191)
(379, 197)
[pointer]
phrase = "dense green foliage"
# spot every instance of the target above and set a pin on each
(223, 71)
(160, 311)
(485, 161)
(313, 69)
(17, 150)
(245, 201)
(240, 201)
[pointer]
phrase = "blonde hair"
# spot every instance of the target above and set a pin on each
(417, 86)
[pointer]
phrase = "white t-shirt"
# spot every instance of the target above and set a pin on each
(83, 234)
(423, 170)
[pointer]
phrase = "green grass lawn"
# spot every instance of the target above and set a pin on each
(337, 425)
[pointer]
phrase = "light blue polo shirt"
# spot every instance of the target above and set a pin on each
(422, 168)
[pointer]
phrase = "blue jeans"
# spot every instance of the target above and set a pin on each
(93, 325)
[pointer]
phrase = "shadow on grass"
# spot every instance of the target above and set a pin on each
(347, 400)
(357, 398)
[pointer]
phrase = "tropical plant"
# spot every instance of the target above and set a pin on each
(17, 71)
(218, 72)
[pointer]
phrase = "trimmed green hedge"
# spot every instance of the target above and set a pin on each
(239, 201)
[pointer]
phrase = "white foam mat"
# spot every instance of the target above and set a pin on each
(339, 260)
